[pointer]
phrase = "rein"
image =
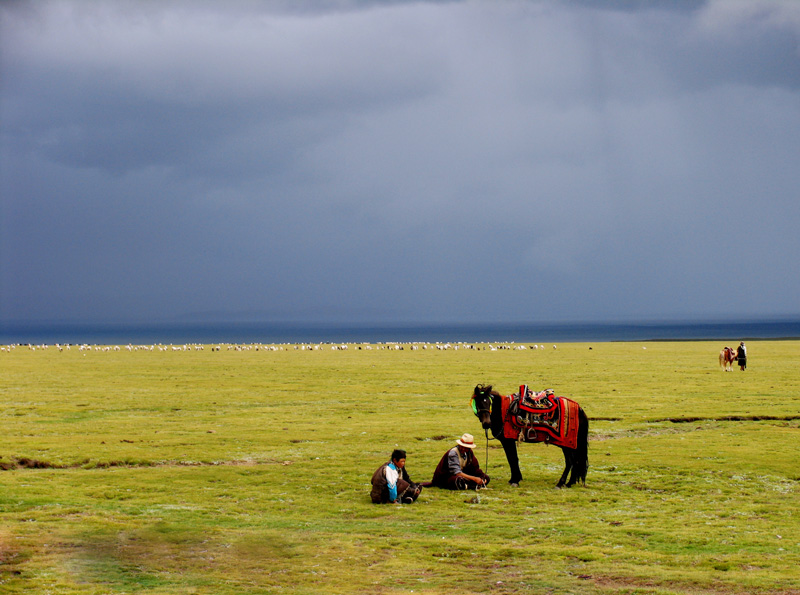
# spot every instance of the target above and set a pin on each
(485, 430)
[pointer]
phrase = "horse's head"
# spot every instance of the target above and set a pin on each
(482, 405)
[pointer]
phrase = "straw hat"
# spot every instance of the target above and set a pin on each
(466, 441)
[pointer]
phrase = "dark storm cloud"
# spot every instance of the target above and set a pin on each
(408, 161)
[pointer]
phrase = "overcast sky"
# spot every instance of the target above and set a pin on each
(399, 161)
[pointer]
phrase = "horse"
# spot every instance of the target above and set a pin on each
(495, 413)
(726, 358)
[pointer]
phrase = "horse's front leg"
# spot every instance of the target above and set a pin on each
(510, 448)
(567, 467)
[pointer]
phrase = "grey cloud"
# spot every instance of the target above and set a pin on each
(166, 89)
(439, 161)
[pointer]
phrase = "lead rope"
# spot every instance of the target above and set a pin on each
(486, 431)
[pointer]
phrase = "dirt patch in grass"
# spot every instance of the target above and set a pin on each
(15, 463)
(680, 420)
(28, 463)
(624, 584)
(10, 559)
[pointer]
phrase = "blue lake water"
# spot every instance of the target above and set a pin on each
(361, 333)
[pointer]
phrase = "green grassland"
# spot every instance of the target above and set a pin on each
(247, 471)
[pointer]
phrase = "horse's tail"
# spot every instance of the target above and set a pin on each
(581, 464)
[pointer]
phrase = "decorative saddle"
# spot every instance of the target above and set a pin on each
(540, 417)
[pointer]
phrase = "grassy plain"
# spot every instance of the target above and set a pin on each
(222, 472)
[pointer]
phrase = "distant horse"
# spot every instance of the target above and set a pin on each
(726, 358)
(560, 421)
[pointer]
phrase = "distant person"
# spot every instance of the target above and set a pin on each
(741, 356)
(459, 469)
(391, 483)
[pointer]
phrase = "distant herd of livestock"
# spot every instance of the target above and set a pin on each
(282, 347)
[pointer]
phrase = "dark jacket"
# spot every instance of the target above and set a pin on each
(443, 477)
(380, 489)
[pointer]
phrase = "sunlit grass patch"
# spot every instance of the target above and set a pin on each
(248, 472)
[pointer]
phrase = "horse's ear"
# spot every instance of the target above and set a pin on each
(482, 389)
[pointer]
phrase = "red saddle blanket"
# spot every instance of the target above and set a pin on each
(540, 417)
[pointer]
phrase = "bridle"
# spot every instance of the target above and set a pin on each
(478, 410)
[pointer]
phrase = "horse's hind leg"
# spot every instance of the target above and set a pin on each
(575, 476)
(580, 456)
(567, 467)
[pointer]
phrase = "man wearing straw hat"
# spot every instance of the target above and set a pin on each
(459, 469)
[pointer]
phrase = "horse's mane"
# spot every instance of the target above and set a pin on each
(486, 389)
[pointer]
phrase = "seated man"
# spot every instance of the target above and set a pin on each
(390, 482)
(459, 469)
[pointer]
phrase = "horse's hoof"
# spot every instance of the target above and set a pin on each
(513, 484)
